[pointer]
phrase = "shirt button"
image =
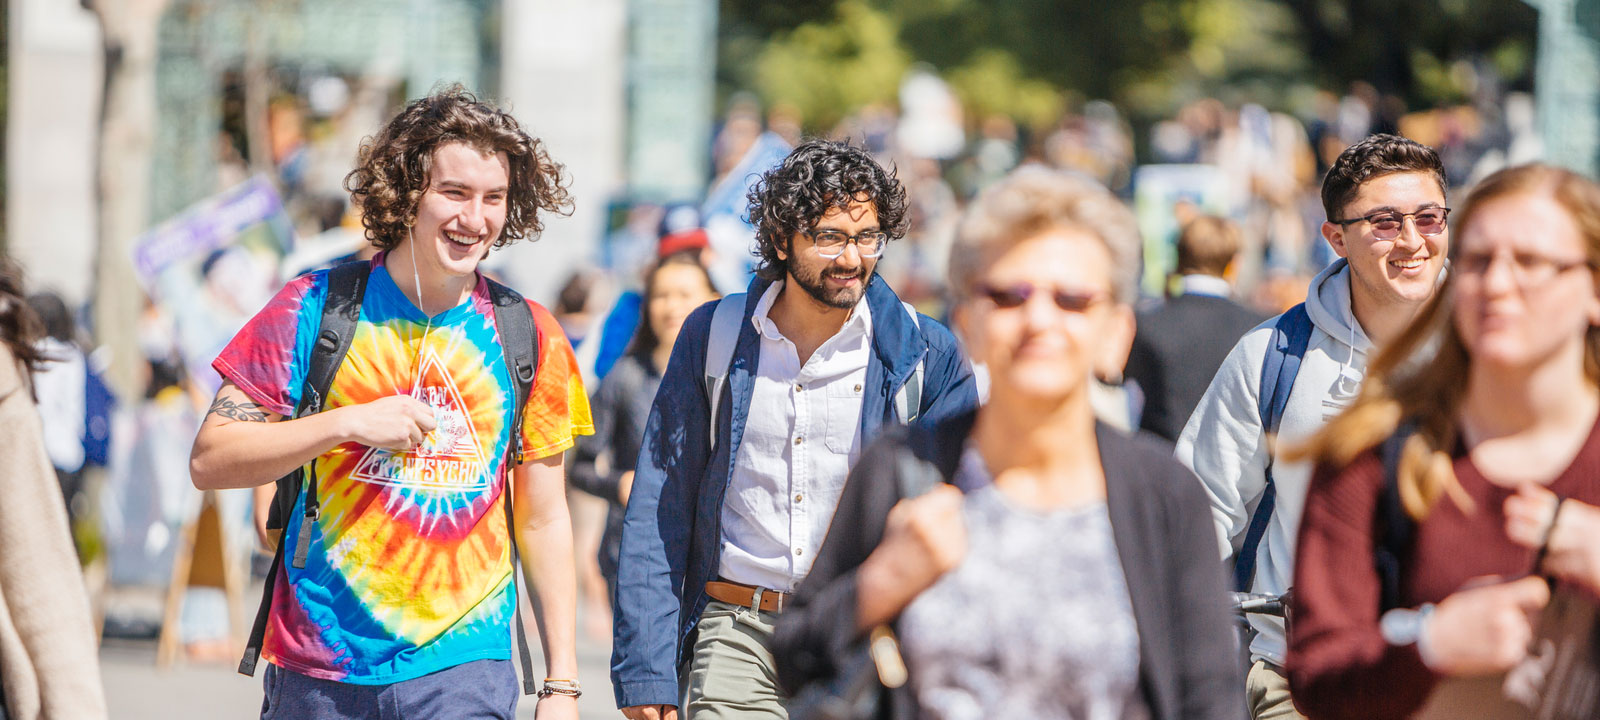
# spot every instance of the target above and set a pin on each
(798, 497)
(798, 388)
(858, 388)
(798, 552)
(797, 441)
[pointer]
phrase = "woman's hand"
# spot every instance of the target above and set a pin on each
(1571, 538)
(1483, 630)
(924, 538)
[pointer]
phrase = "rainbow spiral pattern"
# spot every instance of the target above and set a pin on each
(409, 566)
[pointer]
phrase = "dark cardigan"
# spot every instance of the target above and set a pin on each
(1189, 667)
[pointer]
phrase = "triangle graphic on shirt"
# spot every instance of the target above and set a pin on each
(450, 457)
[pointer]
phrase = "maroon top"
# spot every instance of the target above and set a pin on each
(1339, 665)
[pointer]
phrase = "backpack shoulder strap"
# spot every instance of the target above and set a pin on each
(341, 310)
(519, 340)
(720, 343)
(1291, 335)
(915, 475)
(1395, 527)
(347, 286)
(908, 400)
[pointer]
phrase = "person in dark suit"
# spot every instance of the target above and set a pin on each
(1180, 344)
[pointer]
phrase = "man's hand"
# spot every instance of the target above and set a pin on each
(1484, 630)
(557, 707)
(397, 422)
(651, 712)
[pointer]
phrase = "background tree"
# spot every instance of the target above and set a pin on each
(1027, 58)
(127, 138)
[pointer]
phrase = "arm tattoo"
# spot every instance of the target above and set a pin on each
(248, 411)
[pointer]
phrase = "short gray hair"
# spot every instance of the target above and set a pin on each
(1031, 200)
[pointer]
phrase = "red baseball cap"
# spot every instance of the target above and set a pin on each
(691, 239)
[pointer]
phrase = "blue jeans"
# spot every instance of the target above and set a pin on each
(478, 690)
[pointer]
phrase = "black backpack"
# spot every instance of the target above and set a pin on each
(1394, 528)
(347, 284)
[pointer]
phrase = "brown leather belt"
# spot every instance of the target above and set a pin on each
(745, 595)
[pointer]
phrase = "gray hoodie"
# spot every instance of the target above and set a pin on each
(1224, 445)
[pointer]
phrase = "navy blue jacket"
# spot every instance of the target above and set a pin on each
(672, 531)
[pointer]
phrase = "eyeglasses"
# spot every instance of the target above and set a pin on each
(1386, 224)
(1528, 270)
(831, 243)
(1007, 297)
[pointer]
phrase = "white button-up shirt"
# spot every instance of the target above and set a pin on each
(801, 436)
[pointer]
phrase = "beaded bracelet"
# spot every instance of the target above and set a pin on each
(554, 686)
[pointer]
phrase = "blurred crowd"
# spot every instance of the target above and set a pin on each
(1258, 168)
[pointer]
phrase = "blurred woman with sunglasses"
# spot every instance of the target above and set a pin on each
(1061, 569)
(1491, 399)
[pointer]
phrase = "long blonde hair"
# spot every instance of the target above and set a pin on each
(1422, 375)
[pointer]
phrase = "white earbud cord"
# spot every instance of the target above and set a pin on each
(416, 280)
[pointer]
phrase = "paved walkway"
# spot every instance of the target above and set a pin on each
(136, 690)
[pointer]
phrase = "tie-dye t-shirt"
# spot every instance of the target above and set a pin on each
(409, 569)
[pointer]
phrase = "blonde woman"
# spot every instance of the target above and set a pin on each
(1498, 377)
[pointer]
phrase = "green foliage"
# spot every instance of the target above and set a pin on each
(1406, 46)
(993, 83)
(826, 69)
(1024, 57)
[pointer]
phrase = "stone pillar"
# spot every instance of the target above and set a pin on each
(671, 71)
(561, 73)
(55, 71)
(127, 139)
(1567, 84)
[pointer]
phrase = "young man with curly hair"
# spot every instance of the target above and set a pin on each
(731, 499)
(402, 589)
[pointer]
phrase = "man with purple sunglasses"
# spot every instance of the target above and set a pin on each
(1387, 221)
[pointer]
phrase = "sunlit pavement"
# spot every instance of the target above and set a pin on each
(137, 690)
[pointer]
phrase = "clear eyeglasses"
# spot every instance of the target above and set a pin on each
(831, 243)
(1528, 270)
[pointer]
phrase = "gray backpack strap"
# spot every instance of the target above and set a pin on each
(719, 353)
(915, 475)
(908, 401)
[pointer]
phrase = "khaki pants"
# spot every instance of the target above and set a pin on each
(1266, 690)
(731, 674)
